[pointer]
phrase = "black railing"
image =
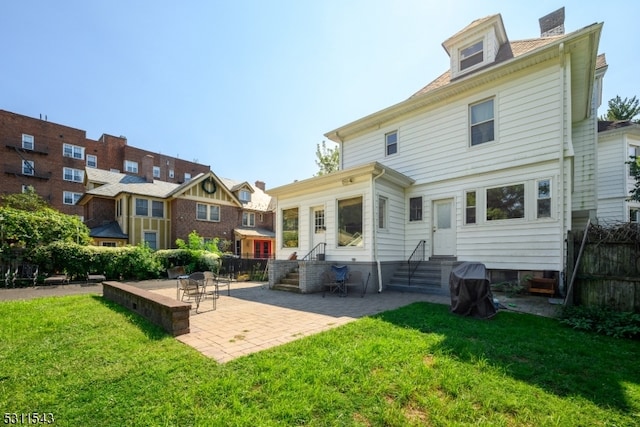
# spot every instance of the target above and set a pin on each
(416, 258)
(317, 253)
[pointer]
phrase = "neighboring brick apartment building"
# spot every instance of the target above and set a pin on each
(64, 167)
(52, 159)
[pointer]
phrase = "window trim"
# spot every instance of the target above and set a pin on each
(467, 207)
(73, 151)
(25, 138)
(75, 173)
(145, 233)
(146, 206)
(28, 167)
(75, 196)
(154, 210)
(538, 198)
(339, 221)
(387, 144)
(92, 160)
(248, 219)
(524, 203)
(296, 233)
(156, 171)
(383, 213)
(421, 211)
(479, 123)
(471, 58)
(208, 211)
(131, 166)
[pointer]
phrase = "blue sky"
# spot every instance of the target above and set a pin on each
(250, 87)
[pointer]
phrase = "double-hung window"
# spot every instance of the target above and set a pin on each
(73, 151)
(92, 161)
(415, 209)
(391, 142)
(157, 209)
(151, 239)
(130, 166)
(75, 175)
(471, 55)
(156, 171)
(142, 207)
(28, 167)
(27, 142)
(482, 122)
(207, 212)
(70, 198)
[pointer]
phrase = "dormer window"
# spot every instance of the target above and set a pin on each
(245, 196)
(472, 55)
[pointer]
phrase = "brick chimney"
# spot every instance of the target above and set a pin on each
(261, 185)
(147, 167)
(552, 24)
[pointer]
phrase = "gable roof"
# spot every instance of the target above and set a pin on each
(260, 201)
(110, 230)
(512, 57)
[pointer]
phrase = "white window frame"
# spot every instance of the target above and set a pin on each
(481, 122)
(411, 218)
(319, 221)
(92, 161)
(187, 177)
(70, 197)
(28, 167)
(130, 166)
(391, 143)
(383, 212)
(73, 151)
(245, 195)
(171, 173)
(73, 175)
(211, 212)
(544, 197)
(341, 204)
(468, 207)
(487, 200)
(471, 53)
(248, 219)
(156, 171)
(28, 142)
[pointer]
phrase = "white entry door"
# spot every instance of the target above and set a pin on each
(444, 229)
(318, 228)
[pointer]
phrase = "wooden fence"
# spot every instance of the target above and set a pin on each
(608, 271)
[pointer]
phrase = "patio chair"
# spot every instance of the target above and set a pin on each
(194, 286)
(335, 281)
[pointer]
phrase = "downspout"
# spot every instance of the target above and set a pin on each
(561, 181)
(375, 213)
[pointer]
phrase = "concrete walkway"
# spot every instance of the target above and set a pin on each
(254, 318)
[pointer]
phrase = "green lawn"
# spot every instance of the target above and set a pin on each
(91, 363)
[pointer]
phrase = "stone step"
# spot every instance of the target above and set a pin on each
(287, 288)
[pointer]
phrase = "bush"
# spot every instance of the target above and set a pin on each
(129, 262)
(602, 320)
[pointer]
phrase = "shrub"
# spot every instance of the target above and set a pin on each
(602, 320)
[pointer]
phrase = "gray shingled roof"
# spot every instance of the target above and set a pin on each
(260, 201)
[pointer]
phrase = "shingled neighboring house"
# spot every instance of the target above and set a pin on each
(494, 161)
(127, 209)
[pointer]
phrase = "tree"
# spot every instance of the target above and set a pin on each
(27, 221)
(622, 109)
(327, 159)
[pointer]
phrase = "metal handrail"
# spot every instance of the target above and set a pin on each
(313, 253)
(417, 257)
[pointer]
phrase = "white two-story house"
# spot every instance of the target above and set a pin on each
(493, 162)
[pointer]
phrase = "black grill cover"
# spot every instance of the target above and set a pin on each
(470, 291)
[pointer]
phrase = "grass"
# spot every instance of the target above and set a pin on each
(90, 362)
